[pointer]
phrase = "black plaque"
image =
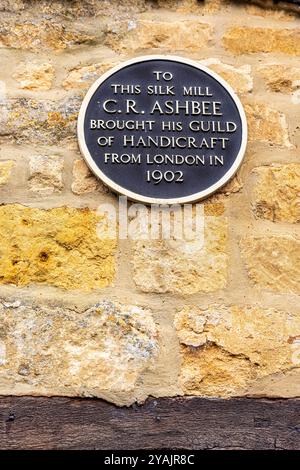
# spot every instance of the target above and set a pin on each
(162, 129)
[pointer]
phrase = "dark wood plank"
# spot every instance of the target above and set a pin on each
(182, 423)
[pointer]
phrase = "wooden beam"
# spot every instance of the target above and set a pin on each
(178, 423)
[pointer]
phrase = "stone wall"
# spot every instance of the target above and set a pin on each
(124, 319)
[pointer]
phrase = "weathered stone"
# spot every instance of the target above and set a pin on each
(213, 6)
(277, 193)
(185, 6)
(5, 171)
(35, 76)
(46, 35)
(189, 35)
(76, 9)
(109, 350)
(233, 186)
(82, 77)
(193, 6)
(45, 174)
(2, 91)
(214, 207)
(56, 350)
(245, 40)
(184, 266)
(225, 349)
(267, 124)
(175, 4)
(39, 121)
(283, 78)
(84, 181)
(58, 247)
(273, 262)
(12, 5)
(238, 77)
(268, 9)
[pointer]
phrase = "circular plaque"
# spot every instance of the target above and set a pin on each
(162, 129)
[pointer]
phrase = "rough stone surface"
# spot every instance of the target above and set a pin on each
(245, 40)
(75, 9)
(189, 35)
(267, 9)
(184, 267)
(45, 174)
(273, 262)
(238, 77)
(5, 171)
(84, 181)
(233, 186)
(35, 76)
(277, 193)
(45, 35)
(193, 6)
(83, 77)
(225, 349)
(267, 124)
(281, 78)
(39, 121)
(55, 350)
(58, 247)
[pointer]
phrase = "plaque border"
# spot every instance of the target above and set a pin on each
(139, 197)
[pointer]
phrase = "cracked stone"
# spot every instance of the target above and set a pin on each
(55, 350)
(225, 349)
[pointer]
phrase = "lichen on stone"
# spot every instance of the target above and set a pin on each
(56, 350)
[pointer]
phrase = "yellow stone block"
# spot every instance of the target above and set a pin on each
(277, 193)
(246, 40)
(226, 349)
(57, 247)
